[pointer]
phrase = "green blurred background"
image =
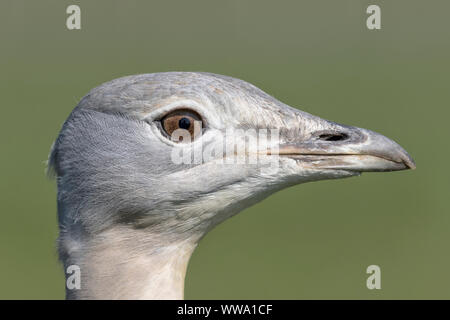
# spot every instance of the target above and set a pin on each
(310, 241)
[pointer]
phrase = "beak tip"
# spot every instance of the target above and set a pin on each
(389, 149)
(409, 162)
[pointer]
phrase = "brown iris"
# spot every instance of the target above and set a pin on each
(181, 119)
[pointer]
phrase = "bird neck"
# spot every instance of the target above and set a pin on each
(125, 263)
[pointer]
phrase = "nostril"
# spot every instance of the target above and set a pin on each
(333, 137)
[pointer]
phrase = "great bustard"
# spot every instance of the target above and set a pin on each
(133, 197)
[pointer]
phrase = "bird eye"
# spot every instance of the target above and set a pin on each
(182, 119)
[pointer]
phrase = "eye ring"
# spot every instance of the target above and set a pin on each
(182, 123)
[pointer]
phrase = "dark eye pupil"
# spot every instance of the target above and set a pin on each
(184, 123)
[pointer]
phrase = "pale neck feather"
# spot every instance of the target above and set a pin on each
(125, 263)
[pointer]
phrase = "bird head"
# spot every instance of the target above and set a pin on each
(180, 152)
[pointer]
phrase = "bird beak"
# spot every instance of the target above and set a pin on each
(348, 148)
